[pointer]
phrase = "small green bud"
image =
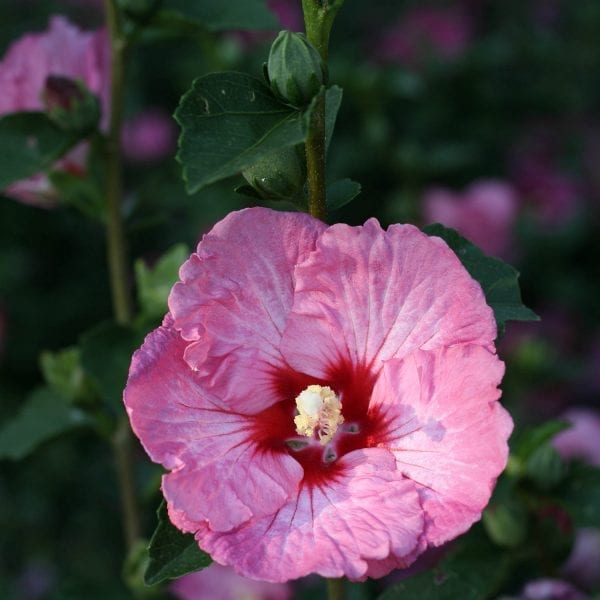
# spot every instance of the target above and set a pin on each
(295, 69)
(279, 176)
(70, 104)
(506, 524)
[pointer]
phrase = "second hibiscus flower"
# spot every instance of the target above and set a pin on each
(325, 398)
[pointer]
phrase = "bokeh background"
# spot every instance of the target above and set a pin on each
(480, 114)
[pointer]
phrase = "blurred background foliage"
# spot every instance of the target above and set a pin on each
(438, 98)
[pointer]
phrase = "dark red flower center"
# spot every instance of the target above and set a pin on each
(275, 430)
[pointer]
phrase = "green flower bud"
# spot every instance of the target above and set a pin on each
(295, 69)
(279, 176)
(506, 524)
(70, 104)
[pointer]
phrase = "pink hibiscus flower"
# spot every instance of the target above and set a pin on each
(66, 51)
(222, 583)
(150, 136)
(324, 397)
(484, 213)
(426, 32)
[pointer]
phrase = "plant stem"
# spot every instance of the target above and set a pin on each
(115, 237)
(315, 161)
(335, 589)
(318, 20)
(117, 260)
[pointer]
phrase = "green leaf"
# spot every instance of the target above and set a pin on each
(172, 553)
(580, 493)
(64, 374)
(505, 522)
(79, 192)
(30, 143)
(545, 467)
(44, 415)
(475, 571)
(105, 355)
(530, 439)
(428, 586)
(340, 193)
(498, 279)
(155, 283)
(229, 121)
(226, 14)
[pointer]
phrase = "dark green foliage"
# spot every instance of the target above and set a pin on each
(172, 553)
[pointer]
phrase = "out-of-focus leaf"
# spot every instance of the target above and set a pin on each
(155, 283)
(44, 415)
(342, 192)
(506, 523)
(474, 571)
(545, 467)
(498, 279)
(106, 354)
(580, 494)
(63, 373)
(533, 438)
(229, 122)
(172, 553)
(226, 14)
(30, 143)
(79, 192)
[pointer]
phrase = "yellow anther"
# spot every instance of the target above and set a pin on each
(319, 411)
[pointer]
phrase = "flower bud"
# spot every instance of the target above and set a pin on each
(295, 68)
(70, 104)
(279, 176)
(505, 524)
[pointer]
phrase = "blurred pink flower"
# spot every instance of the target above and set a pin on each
(149, 136)
(62, 50)
(550, 589)
(582, 565)
(581, 439)
(484, 213)
(553, 195)
(223, 583)
(426, 32)
(319, 395)
(289, 13)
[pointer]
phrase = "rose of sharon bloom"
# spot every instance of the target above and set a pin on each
(63, 50)
(581, 439)
(426, 32)
(223, 583)
(484, 213)
(148, 137)
(550, 589)
(325, 398)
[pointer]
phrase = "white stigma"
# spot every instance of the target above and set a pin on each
(319, 411)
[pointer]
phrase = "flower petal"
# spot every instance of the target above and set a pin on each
(219, 473)
(369, 295)
(438, 413)
(366, 512)
(234, 298)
